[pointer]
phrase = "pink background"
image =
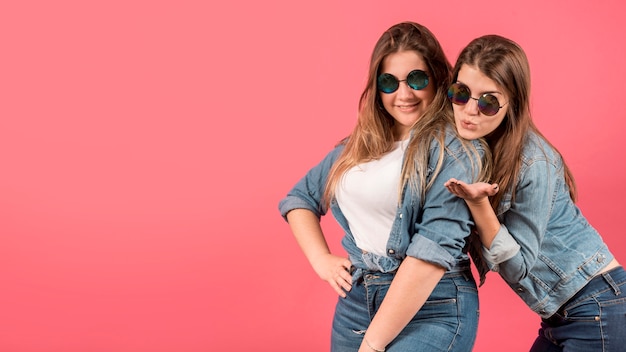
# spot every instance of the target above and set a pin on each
(144, 146)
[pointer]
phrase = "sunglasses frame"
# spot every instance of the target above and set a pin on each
(483, 102)
(423, 76)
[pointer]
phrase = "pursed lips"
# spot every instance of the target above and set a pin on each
(468, 124)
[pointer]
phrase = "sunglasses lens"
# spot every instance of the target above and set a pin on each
(488, 104)
(458, 94)
(417, 79)
(387, 83)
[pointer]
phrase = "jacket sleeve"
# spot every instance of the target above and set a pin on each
(308, 193)
(526, 221)
(503, 248)
(444, 222)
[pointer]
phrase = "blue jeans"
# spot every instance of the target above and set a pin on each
(593, 320)
(448, 321)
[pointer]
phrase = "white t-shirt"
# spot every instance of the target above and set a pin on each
(368, 198)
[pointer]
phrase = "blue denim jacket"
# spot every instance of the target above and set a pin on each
(545, 249)
(435, 232)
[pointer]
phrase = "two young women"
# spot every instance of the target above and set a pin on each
(405, 238)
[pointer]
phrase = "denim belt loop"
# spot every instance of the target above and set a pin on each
(466, 275)
(607, 277)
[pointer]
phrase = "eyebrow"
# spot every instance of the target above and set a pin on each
(483, 93)
(425, 69)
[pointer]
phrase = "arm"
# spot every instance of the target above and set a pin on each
(514, 246)
(302, 208)
(440, 226)
(526, 221)
(334, 269)
(411, 286)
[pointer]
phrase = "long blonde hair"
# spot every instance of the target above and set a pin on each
(372, 136)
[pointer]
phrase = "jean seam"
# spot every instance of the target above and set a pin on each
(458, 316)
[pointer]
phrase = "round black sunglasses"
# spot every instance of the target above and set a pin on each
(460, 94)
(416, 79)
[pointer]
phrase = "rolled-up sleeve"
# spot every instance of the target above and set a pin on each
(503, 247)
(308, 193)
(445, 222)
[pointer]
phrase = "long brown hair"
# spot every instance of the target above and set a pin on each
(372, 136)
(504, 61)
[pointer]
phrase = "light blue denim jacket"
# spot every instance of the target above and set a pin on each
(545, 249)
(435, 232)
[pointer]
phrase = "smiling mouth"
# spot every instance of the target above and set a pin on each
(407, 106)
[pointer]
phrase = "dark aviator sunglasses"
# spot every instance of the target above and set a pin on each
(388, 83)
(460, 94)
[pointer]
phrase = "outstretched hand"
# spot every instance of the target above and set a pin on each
(474, 192)
(336, 271)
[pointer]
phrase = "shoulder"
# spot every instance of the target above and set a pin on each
(537, 149)
(336, 151)
(540, 162)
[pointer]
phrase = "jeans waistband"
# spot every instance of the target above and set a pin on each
(615, 278)
(612, 280)
(461, 269)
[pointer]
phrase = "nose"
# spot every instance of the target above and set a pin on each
(404, 91)
(471, 108)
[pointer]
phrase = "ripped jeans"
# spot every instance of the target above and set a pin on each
(448, 321)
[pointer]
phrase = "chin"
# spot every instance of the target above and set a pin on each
(467, 135)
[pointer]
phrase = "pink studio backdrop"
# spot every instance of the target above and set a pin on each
(144, 146)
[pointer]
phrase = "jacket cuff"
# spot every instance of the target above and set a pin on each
(503, 248)
(429, 251)
(290, 203)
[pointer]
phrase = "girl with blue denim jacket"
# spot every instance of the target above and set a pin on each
(406, 284)
(531, 230)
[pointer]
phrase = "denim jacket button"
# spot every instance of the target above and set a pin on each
(601, 258)
(391, 251)
(520, 289)
(400, 215)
